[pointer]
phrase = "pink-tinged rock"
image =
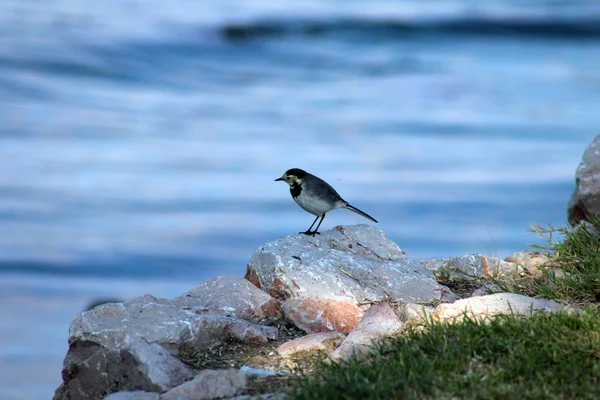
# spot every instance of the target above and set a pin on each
(210, 384)
(378, 322)
(339, 270)
(326, 341)
(585, 200)
(485, 307)
(320, 314)
(231, 296)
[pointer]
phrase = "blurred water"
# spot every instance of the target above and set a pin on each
(139, 143)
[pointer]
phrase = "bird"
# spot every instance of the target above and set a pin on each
(316, 196)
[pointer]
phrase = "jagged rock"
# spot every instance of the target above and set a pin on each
(164, 322)
(485, 307)
(379, 321)
(150, 366)
(137, 395)
(585, 200)
(324, 279)
(210, 384)
(231, 296)
(470, 266)
(104, 344)
(325, 341)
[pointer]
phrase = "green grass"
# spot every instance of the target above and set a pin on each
(573, 272)
(543, 357)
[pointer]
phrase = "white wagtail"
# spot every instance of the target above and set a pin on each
(315, 196)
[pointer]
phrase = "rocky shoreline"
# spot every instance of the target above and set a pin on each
(333, 295)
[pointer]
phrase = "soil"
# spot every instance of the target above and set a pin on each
(233, 354)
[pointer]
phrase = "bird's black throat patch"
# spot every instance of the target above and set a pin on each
(295, 190)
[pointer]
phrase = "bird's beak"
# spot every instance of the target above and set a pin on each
(279, 179)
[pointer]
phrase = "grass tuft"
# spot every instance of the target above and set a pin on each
(543, 357)
(573, 271)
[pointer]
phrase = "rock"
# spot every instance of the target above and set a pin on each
(470, 266)
(412, 312)
(254, 373)
(585, 200)
(97, 302)
(104, 344)
(137, 395)
(325, 279)
(485, 307)
(325, 341)
(163, 322)
(210, 384)
(231, 296)
(486, 289)
(319, 314)
(150, 366)
(378, 322)
(532, 261)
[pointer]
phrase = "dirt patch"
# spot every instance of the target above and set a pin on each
(463, 288)
(233, 354)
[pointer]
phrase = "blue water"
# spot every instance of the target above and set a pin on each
(139, 141)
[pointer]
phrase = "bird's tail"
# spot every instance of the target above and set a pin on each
(356, 210)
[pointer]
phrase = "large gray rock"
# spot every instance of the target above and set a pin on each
(232, 296)
(164, 322)
(133, 345)
(325, 279)
(585, 200)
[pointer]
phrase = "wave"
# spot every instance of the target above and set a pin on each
(539, 27)
(128, 266)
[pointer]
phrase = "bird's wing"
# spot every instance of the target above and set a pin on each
(321, 186)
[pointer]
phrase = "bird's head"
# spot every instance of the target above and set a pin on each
(292, 176)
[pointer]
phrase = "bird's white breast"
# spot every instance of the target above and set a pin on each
(314, 204)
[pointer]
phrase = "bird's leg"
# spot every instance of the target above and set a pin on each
(308, 232)
(315, 232)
